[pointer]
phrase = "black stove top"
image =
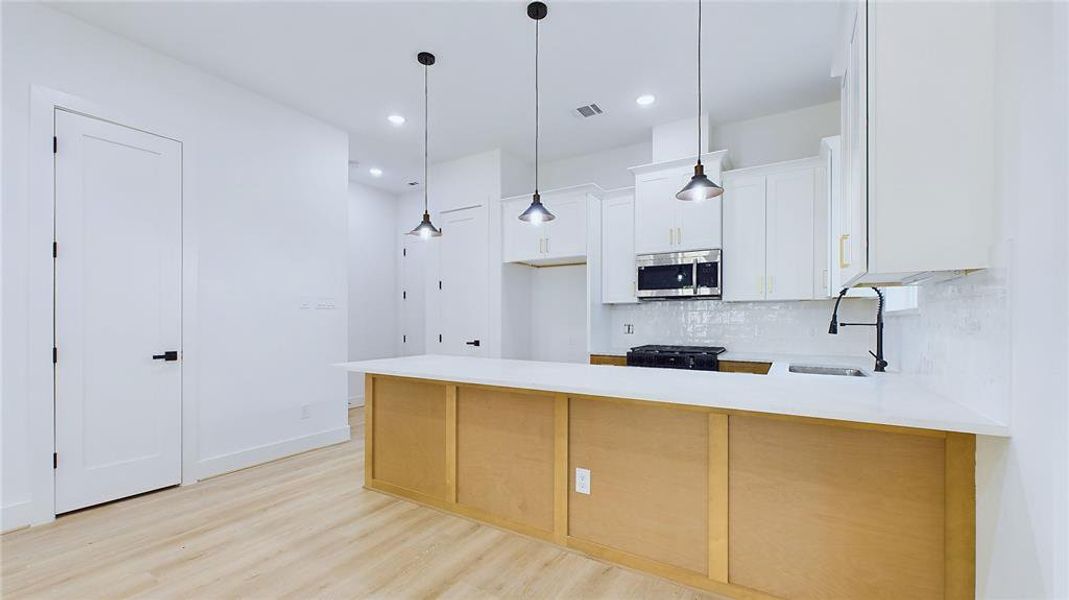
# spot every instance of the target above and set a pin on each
(699, 358)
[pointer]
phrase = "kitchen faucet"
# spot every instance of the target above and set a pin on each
(833, 329)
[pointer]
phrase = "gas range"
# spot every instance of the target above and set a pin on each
(698, 358)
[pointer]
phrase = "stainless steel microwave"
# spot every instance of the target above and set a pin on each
(694, 274)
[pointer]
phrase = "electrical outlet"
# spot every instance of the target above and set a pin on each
(582, 481)
(629, 329)
(306, 412)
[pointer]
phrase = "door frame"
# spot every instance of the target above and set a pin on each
(40, 386)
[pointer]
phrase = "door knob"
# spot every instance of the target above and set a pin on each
(169, 356)
(472, 343)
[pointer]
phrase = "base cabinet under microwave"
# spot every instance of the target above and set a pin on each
(694, 274)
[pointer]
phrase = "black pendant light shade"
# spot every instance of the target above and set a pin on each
(425, 229)
(536, 213)
(699, 187)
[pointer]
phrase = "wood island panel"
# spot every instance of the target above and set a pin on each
(745, 366)
(819, 511)
(408, 437)
(608, 359)
(649, 479)
(505, 454)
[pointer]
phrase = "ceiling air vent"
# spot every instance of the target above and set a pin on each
(590, 110)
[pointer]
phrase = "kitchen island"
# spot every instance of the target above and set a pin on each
(790, 486)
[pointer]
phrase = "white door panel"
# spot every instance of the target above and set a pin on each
(464, 271)
(656, 214)
(118, 291)
(744, 239)
(618, 270)
(789, 206)
(566, 235)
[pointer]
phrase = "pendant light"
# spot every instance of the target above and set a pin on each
(425, 229)
(699, 187)
(536, 213)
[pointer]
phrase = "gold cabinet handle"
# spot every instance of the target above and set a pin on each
(771, 280)
(679, 235)
(842, 250)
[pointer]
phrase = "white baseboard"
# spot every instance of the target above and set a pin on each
(242, 459)
(16, 515)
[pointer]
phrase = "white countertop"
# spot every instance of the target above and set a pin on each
(885, 399)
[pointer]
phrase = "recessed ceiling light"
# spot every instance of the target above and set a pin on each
(396, 120)
(375, 172)
(646, 99)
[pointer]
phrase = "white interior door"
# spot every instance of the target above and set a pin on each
(118, 294)
(464, 272)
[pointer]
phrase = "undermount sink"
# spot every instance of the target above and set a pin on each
(840, 371)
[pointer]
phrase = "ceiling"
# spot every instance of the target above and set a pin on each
(353, 63)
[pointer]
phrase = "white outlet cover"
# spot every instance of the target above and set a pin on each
(582, 481)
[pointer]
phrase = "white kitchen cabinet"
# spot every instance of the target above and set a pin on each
(618, 247)
(558, 241)
(743, 257)
(918, 145)
(775, 231)
(664, 223)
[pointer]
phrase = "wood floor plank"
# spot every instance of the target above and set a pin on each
(301, 527)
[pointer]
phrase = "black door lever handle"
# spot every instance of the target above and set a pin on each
(169, 356)
(472, 343)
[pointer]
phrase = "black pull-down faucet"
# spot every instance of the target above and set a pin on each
(881, 364)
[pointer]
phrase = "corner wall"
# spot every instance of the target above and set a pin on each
(997, 340)
(264, 218)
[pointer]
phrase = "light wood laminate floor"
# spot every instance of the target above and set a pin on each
(299, 527)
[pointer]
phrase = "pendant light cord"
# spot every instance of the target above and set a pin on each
(426, 126)
(699, 82)
(537, 131)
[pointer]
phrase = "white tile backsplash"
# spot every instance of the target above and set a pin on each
(958, 340)
(773, 327)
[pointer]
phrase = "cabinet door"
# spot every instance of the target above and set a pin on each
(699, 222)
(851, 243)
(565, 236)
(743, 258)
(656, 212)
(789, 202)
(618, 250)
(521, 241)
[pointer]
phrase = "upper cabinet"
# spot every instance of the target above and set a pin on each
(558, 241)
(918, 144)
(775, 244)
(664, 223)
(618, 247)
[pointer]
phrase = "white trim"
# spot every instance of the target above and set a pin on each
(250, 457)
(15, 516)
(41, 194)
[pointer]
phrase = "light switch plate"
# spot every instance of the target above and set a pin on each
(582, 481)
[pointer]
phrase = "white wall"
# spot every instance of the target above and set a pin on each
(997, 340)
(265, 232)
(778, 137)
(607, 168)
(558, 314)
(373, 279)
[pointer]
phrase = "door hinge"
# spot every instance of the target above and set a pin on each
(55, 460)
(55, 145)
(55, 355)
(55, 249)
